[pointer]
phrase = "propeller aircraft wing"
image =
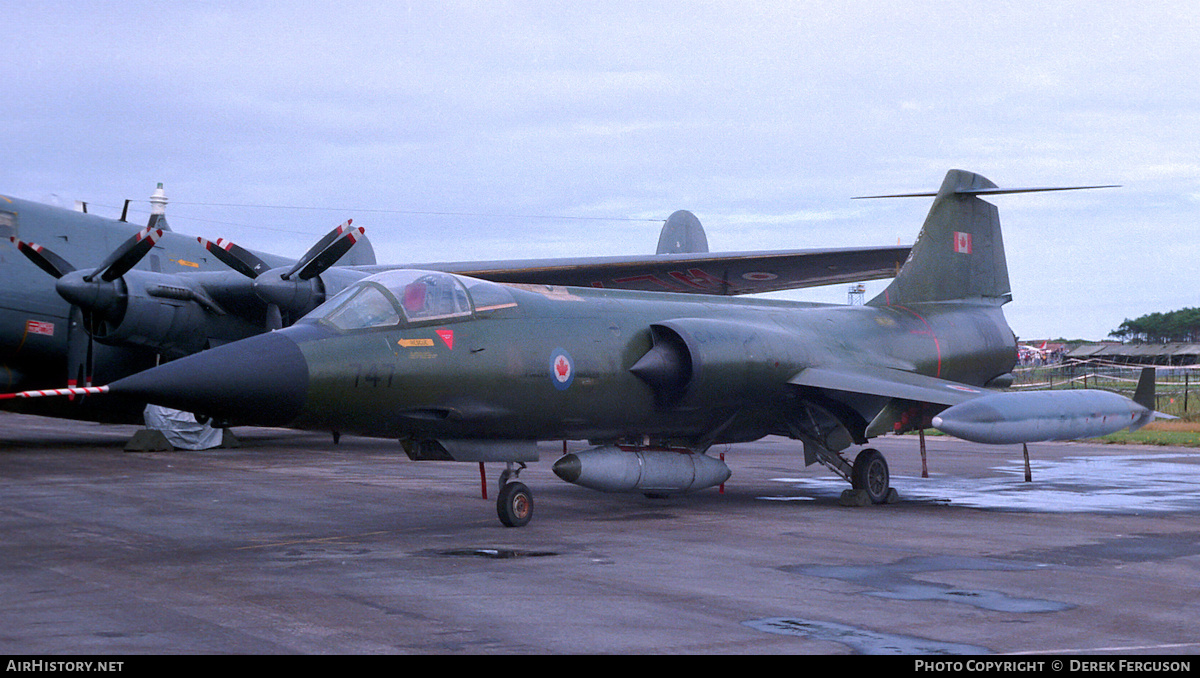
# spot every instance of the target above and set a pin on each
(715, 273)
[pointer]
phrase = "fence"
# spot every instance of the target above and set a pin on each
(1177, 388)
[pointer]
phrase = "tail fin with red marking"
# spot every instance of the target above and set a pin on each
(959, 254)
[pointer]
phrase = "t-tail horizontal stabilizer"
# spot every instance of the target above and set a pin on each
(968, 190)
(959, 254)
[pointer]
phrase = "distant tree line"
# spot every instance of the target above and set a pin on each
(1159, 328)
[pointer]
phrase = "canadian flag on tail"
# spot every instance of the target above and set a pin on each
(962, 242)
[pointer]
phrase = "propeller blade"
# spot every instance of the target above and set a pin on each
(80, 351)
(319, 247)
(274, 317)
(330, 255)
(291, 294)
(44, 259)
(235, 257)
(126, 256)
(77, 348)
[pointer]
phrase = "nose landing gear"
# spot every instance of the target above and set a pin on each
(514, 503)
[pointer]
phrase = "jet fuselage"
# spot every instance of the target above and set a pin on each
(559, 363)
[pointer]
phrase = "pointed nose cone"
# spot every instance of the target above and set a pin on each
(262, 381)
(568, 467)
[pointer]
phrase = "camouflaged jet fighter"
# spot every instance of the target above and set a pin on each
(464, 369)
(71, 316)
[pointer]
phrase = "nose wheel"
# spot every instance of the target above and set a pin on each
(514, 506)
(514, 503)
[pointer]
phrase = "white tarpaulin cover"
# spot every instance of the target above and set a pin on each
(181, 429)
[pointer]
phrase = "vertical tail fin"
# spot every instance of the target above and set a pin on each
(959, 253)
(682, 234)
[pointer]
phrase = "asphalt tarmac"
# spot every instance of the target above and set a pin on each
(292, 544)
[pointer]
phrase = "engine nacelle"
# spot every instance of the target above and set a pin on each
(178, 315)
(652, 471)
(168, 314)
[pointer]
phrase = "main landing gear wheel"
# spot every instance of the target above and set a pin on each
(870, 473)
(514, 505)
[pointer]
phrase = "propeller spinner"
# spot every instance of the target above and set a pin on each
(92, 295)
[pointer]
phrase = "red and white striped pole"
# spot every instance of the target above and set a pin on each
(77, 390)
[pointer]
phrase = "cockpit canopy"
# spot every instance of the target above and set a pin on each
(406, 297)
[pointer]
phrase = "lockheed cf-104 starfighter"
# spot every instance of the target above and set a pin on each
(464, 369)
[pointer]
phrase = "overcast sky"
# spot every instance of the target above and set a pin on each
(483, 130)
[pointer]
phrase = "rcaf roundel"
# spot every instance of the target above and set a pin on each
(562, 369)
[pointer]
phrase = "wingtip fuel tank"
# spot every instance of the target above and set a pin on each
(1036, 416)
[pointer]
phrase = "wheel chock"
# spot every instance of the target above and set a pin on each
(854, 498)
(149, 440)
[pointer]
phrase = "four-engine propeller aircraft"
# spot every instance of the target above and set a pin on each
(89, 315)
(88, 318)
(464, 369)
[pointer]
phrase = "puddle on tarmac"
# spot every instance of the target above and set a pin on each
(495, 554)
(1134, 548)
(862, 641)
(1168, 482)
(897, 581)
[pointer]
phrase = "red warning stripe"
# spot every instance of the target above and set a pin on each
(72, 391)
